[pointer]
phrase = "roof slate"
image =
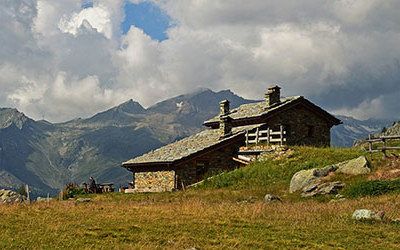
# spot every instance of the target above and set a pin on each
(187, 146)
(254, 109)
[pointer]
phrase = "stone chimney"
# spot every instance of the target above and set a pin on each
(225, 121)
(273, 96)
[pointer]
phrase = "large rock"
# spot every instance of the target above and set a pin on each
(356, 166)
(365, 214)
(10, 197)
(305, 178)
(322, 189)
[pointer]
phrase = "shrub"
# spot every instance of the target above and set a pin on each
(21, 190)
(372, 188)
(71, 190)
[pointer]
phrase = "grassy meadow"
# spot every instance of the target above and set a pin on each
(226, 212)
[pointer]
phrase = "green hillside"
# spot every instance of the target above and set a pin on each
(226, 212)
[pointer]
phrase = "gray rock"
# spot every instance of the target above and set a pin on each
(337, 200)
(306, 178)
(356, 166)
(271, 198)
(369, 215)
(322, 189)
(41, 199)
(83, 200)
(10, 197)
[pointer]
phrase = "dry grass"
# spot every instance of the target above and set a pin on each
(233, 217)
(184, 220)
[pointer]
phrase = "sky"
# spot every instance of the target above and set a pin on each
(64, 59)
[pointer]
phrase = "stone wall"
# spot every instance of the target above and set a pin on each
(208, 164)
(158, 181)
(303, 127)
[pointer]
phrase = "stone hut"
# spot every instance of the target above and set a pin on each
(216, 149)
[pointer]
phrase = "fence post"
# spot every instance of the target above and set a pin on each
(247, 138)
(27, 193)
(257, 131)
(281, 131)
(384, 148)
(268, 135)
(370, 145)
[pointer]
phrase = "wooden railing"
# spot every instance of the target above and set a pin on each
(267, 136)
(384, 141)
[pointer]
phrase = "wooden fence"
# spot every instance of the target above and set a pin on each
(268, 136)
(383, 140)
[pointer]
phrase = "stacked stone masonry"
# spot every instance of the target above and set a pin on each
(159, 181)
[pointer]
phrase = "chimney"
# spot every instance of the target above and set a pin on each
(273, 96)
(225, 121)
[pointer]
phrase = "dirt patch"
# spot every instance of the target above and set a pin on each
(389, 170)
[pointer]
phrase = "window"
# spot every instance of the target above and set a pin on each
(311, 131)
(201, 170)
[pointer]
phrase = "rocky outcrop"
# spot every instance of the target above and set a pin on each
(10, 197)
(322, 189)
(312, 182)
(306, 178)
(356, 166)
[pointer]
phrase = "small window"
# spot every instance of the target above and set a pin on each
(311, 131)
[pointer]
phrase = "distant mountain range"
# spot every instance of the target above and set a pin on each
(47, 156)
(352, 130)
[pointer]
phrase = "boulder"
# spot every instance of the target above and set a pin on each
(10, 197)
(369, 215)
(83, 200)
(271, 198)
(322, 189)
(356, 166)
(307, 178)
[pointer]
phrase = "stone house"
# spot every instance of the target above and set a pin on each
(216, 149)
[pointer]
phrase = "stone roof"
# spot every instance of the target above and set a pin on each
(254, 109)
(187, 146)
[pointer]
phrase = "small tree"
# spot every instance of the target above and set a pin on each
(71, 190)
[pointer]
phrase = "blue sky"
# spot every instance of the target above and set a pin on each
(148, 17)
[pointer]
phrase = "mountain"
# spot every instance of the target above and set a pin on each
(47, 156)
(346, 134)
(394, 129)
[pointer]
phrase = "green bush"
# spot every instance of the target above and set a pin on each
(71, 190)
(372, 188)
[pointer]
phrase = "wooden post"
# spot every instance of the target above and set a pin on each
(257, 131)
(281, 128)
(247, 138)
(268, 135)
(384, 148)
(27, 193)
(48, 198)
(370, 145)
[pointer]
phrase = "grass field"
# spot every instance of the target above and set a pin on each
(228, 213)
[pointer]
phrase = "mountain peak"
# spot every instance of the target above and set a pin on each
(11, 116)
(131, 107)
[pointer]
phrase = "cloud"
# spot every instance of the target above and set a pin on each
(61, 61)
(97, 18)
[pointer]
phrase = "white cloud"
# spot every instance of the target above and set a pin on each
(342, 54)
(97, 18)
